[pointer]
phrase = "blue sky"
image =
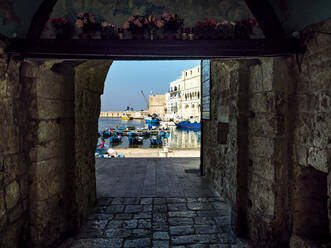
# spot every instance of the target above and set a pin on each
(126, 79)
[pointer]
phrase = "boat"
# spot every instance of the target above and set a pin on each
(152, 119)
(156, 140)
(189, 125)
(115, 139)
(135, 140)
(102, 148)
(126, 117)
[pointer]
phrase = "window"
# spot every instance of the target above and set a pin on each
(191, 72)
(185, 73)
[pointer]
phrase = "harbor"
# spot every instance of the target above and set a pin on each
(135, 138)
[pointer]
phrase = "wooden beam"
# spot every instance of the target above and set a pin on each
(266, 18)
(40, 19)
(152, 50)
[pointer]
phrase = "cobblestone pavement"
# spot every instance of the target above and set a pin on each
(157, 222)
(151, 177)
(153, 202)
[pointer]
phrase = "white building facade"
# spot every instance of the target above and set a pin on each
(184, 97)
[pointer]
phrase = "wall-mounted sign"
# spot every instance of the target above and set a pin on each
(205, 89)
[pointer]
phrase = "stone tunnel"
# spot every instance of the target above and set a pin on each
(266, 148)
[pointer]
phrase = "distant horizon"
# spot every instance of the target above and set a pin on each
(136, 76)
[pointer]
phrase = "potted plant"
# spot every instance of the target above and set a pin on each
(152, 24)
(88, 25)
(205, 30)
(136, 25)
(171, 24)
(62, 27)
(244, 28)
(107, 31)
(225, 30)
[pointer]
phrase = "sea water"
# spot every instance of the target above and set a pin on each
(178, 138)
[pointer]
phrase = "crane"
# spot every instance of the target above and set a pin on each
(142, 92)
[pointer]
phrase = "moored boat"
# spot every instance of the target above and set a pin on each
(156, 140)
(135, 140)
(189, 125)
(152, 119)
(126, 117)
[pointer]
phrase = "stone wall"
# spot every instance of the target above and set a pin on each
(118, 114)
(14, 190)
(225, 134)
(49, 95)
(311, 141)
(89, 83)
(279, 189)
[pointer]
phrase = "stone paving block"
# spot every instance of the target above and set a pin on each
(197, 199)
(181, 230)
(160, 218)
(160, 244)
(198, 246)
(131, 200)
(114, 224)
(196, 238)
(160, 208)
(160, 227)
(97, 243)
(123, 216)
(204, 221)
(199, 206)
(144, 223)
(219, 246)
(182, 214)
(143, 215)
(117, 233)
(176, 200)
(207, 213)
(219, 205)
(146, 201)
(177, 207)
(147, 208)
(202, 229)
(130, 224)
(113, 209)
(161, 235)
(135, 243)
(133, 208)
(117, 200)
(138, 233)
(180, 221)
(160, 200)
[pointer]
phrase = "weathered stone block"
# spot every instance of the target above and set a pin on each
(12, 194)
(261, 146)
(318, 158)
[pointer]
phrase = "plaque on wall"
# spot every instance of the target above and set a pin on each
(205, 89)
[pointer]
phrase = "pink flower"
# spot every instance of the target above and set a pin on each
(79, 23)
(159, 23)
(92, 19)
(138, 23)
(126, 25)
(131, 19)
(80, 15)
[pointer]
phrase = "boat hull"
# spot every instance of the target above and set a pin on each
(126, 118)
(189, 125)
